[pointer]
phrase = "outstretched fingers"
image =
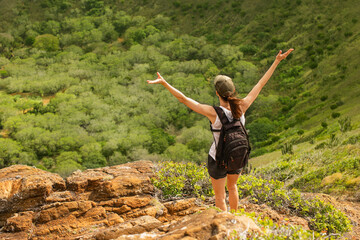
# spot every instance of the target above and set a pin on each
(158, 80)
(282, 56)
(288, 52)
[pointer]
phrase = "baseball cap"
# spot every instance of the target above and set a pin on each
(224, 85)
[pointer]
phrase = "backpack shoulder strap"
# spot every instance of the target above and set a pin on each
(221, 114)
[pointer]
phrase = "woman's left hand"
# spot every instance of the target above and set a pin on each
(282, 56)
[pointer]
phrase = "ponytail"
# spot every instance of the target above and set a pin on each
(235, 105)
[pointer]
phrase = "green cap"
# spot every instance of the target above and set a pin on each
(224, 85)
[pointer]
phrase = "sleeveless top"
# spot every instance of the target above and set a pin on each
(217, 125)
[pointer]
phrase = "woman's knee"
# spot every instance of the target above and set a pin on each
(232, 187)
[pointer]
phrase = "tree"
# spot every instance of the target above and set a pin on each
(94, 7)
(260, 128)
(92, 156)
(51, 27)
(196, 138)
(179, 152)
(47, 42)
(9, 152)
(108, 32)
(160, 141)
(6, 41)
(121, 22)
(67, 167)
(134, 35)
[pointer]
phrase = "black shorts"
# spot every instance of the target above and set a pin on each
(216, 172)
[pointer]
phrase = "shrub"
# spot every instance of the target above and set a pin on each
(323, 98)
(271, 230)
(335, 115)
(300, 132)
(4, 73)
(352, 140)
(258, 152)
(323, 216)
(179, 179)
(260, 128)
(334, 141)
(287, 148)
(345, 124)
(321, 145)
(333, 106)
(313, 64)
(301, 117)
(348, 34)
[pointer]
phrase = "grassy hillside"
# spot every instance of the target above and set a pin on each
(92, 58)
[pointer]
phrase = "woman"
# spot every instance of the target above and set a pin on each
(233, 108)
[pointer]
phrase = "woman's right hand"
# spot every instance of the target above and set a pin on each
(160, 80)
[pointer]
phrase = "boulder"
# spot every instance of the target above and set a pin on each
(112, 182)
(209, 224)
(22, 188)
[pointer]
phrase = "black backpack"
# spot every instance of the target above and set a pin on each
(233, 148)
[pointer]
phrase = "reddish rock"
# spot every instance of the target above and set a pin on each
(132, 202)
(179, 205)
(114, 218)
(112, 182)
(183, 207)
(58, 210)
(135, 226)
(19, 222)
(23, 188)
(96, 213)
(65, 196)
(209, 224)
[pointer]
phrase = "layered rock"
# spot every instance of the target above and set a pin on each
(36, 204)
(106, 203)
(25, 188)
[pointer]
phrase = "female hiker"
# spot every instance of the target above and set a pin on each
(233, 108)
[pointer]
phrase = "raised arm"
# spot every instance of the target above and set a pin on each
(206, 110)
(250, 98)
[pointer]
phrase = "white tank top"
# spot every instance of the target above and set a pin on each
(217, 125)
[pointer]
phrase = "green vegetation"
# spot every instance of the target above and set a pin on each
(179, 179)
(321, 216)
(331, 167)
(272, 230)
(93, 59)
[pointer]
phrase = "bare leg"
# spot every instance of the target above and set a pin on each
(233, 191)
(219, 189)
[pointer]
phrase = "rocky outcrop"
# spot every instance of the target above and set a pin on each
(25, 188)
(36, 204)
(106, 203)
